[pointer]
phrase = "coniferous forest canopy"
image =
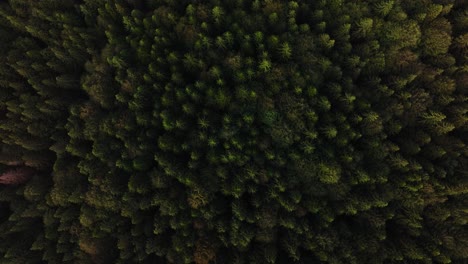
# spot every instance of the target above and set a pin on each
(266, 131)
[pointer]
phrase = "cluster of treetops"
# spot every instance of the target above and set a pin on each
(229, 132)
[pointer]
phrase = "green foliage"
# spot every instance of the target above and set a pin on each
(233, 131)
(364, 27)
(383, 7)
(436, 41)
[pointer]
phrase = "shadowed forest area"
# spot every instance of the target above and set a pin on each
(232, 132)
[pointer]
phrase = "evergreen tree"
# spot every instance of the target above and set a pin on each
(233, 132)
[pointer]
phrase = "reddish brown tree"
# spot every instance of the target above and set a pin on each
(16, 176)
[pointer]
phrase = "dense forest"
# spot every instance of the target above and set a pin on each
(229, 132)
